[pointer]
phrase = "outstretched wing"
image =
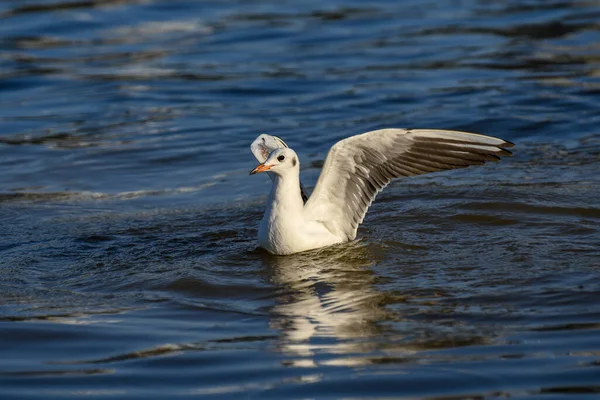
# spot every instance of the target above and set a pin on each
(359, 167)
(263, 145)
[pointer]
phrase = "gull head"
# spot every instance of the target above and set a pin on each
(280, 162)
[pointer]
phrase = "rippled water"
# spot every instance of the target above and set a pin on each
(129, 266)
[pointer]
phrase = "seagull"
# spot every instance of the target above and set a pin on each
(355, 171)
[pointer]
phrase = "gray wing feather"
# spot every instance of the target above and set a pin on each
(358, 168)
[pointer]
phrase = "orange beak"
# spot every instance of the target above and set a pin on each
(261, 168)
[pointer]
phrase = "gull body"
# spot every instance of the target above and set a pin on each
(355, 171)
(287, 227)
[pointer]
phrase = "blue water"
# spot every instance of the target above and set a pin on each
(128, 259)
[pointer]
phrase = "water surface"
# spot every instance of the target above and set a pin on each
(129, 266)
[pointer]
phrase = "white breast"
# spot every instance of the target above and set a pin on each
(288, 234)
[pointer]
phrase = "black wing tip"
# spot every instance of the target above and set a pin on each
(507, 143)
(281, 140)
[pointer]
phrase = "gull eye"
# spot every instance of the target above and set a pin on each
(281, 158)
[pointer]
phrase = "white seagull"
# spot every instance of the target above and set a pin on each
(356, 169)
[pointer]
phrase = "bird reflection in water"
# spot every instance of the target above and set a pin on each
(326, 294)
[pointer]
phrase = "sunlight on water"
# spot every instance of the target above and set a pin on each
(128, 221)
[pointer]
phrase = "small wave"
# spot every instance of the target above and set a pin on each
(169, 349)
(56, 373)
(65, 5)
(39, 197)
